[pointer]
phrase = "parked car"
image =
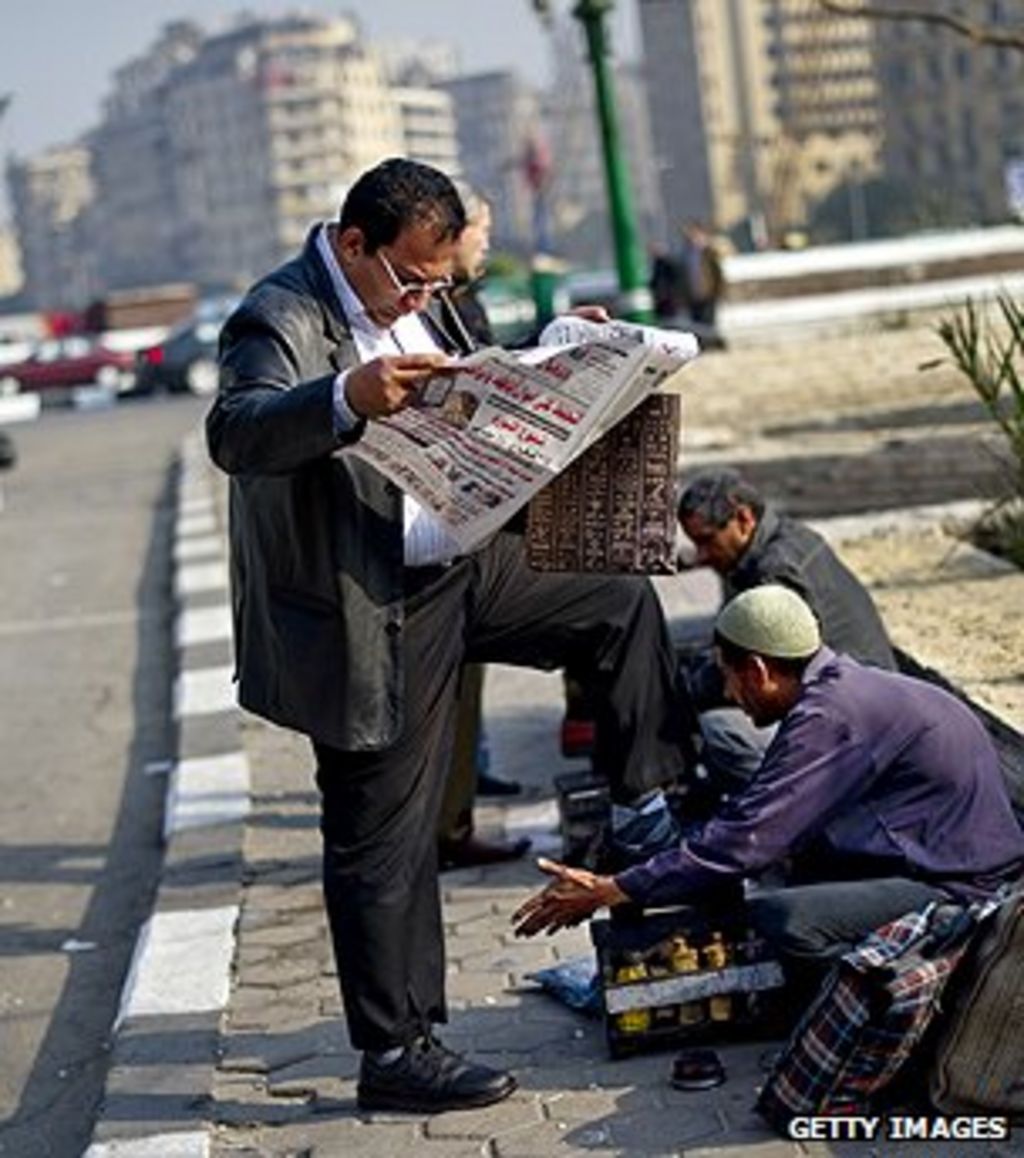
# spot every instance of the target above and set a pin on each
(65, 362)
(186, 359)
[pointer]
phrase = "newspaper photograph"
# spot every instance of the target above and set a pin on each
(488, 432)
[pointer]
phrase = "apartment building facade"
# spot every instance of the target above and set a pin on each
(269, 124)
(52, 198)
(214, 156)
(581, 223)
(759, 108)
(954, 110)
(497, 116)
(429, 130)
(137, 228)
(11, 278)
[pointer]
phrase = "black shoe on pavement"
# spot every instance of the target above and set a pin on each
(471, 852)
(488, 785)
(427, 1079)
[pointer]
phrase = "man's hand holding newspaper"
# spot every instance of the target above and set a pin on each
(482, 437)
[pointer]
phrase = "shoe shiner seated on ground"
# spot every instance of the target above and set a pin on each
(747, 542)
(879, 792)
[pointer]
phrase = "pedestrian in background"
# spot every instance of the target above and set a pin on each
(665, 287)
(702, 279)
(747, 542)
(459, 846)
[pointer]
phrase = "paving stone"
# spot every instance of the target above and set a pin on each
(274, 1051)
(482, 890)
(642, 1130)
(290, 875)
(513, 1113)
(538, 1006)
(347, 1136)
(473, 944)
(569, 1108)
(549, 1138)
(276, 972)
(459, 910)
(322, 1093)
(474, 988)
(564, 1057)
(242, 1103)
(237, 1150)
(283, 932)
(253, 918)
(740, 1146)
(341, 1065)
(523, 1037)
(511, 958)
(249, 1004)
(248, 955)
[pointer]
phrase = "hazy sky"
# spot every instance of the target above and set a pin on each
(56, 56)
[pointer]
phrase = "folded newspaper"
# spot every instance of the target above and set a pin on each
(486, 434)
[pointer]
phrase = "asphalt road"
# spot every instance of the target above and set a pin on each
(85, 687)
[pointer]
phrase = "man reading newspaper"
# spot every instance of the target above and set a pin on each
(354, 607)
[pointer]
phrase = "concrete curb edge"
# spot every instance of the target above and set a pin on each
(166, 1035)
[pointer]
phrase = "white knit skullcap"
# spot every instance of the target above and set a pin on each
(770, 620)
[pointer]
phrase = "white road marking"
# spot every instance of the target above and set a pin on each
(197, 625)
(207, 790)
(200, 547)
(195, 500)
(181, 964)
(187, 1144)
(201, 524)
(203, 691)
(195, 578)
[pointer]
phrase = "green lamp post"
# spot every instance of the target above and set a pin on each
(634, 296)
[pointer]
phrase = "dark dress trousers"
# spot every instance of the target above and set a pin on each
(338, 640)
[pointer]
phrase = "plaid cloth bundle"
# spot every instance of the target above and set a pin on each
(868, 1017)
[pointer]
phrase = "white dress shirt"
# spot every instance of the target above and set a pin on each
(425, 538)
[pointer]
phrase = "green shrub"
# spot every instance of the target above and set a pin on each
(993, 362)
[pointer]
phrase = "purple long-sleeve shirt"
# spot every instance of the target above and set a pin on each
(892, 773)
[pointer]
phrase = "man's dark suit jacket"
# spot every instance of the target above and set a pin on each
(316, 536)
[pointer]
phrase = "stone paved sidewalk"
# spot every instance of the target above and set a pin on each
(285, 1085)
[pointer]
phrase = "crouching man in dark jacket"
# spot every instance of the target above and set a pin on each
(747, 542)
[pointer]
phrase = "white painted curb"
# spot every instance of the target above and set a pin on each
(192, 1144)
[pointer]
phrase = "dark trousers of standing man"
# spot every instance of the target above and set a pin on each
(380, 809)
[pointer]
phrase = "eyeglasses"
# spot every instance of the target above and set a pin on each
(413, 289)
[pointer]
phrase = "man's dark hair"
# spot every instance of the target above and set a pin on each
(735, 656)
(399, 193)
(715, 495)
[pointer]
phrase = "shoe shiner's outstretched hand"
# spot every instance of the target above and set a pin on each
(571, 897)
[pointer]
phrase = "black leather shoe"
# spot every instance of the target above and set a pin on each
(471, 852)
(488, 785)
(427, 1079)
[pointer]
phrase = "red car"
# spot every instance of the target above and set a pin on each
(67, 362)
